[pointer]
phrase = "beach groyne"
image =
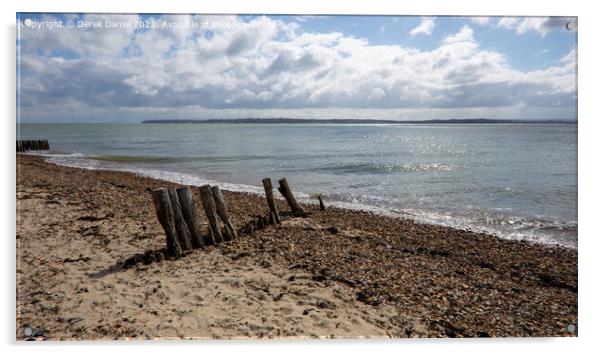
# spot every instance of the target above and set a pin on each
(32, 145)
(176, 212)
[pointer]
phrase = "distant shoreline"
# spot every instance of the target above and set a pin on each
(354, 121)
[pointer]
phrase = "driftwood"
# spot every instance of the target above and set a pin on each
(274, 217)
(181, 226)
(285, 190)
(322, 207)
(189, 213)
(222, 211)
(210, 211)
(165, 215)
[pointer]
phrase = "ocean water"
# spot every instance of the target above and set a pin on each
(513, 181)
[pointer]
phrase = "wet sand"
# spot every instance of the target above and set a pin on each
(335, 274)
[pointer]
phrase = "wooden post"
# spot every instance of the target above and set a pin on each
(209, 206)
(322, 207)
(269, 196)
(27, 145)
(166, 219)
(189, 213)
(285, 190)
(222, 211)
(181, 226)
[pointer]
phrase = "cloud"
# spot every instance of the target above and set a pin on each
(266, 65)
(426, 26)
(464, 35)
(541, 25)
(479, 20)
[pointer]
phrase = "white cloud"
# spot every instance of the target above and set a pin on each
(464, 35)
(507, 22)
(479, 20)
(426, 26)
(274, 67)
(570, 58)
(541, 25)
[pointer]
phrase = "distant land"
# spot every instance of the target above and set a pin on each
(356, 121)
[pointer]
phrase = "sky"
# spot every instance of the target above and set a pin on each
(127, 68)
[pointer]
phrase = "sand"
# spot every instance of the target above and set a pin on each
(334, 274)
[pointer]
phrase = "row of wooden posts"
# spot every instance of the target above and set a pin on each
(176, 211)
(27, 145)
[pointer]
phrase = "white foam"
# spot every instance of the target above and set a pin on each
(87, 162)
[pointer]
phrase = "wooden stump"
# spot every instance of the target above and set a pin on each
(285, 190)
(181, 226)
(322, 207)
(27, 145)
(189, 213)
(210, 211)
(165, 215)
(222, 211)
(269, 195)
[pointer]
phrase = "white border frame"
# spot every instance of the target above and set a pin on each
(589, 178)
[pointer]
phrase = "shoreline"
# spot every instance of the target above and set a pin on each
(384, 276)
(429, 218)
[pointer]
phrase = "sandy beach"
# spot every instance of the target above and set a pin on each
(334, 274)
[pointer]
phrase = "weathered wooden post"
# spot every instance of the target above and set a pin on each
(189, 213)
(27, 145)
(322, 207)
(285, 190)
(222, 211)
(274, 217)
(209, 206)
(181, 226)
(166, 219)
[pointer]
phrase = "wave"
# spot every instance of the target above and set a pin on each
(170, 159)
(384, 168)
(224, 158)
(494, 222)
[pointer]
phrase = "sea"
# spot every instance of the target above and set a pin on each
(514, 181)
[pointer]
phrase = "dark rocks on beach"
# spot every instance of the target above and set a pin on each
(548, 280)
(81, 258)
(145, 258)
(483, 334)
(369, 297)
(332, 229)
(325, 304)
